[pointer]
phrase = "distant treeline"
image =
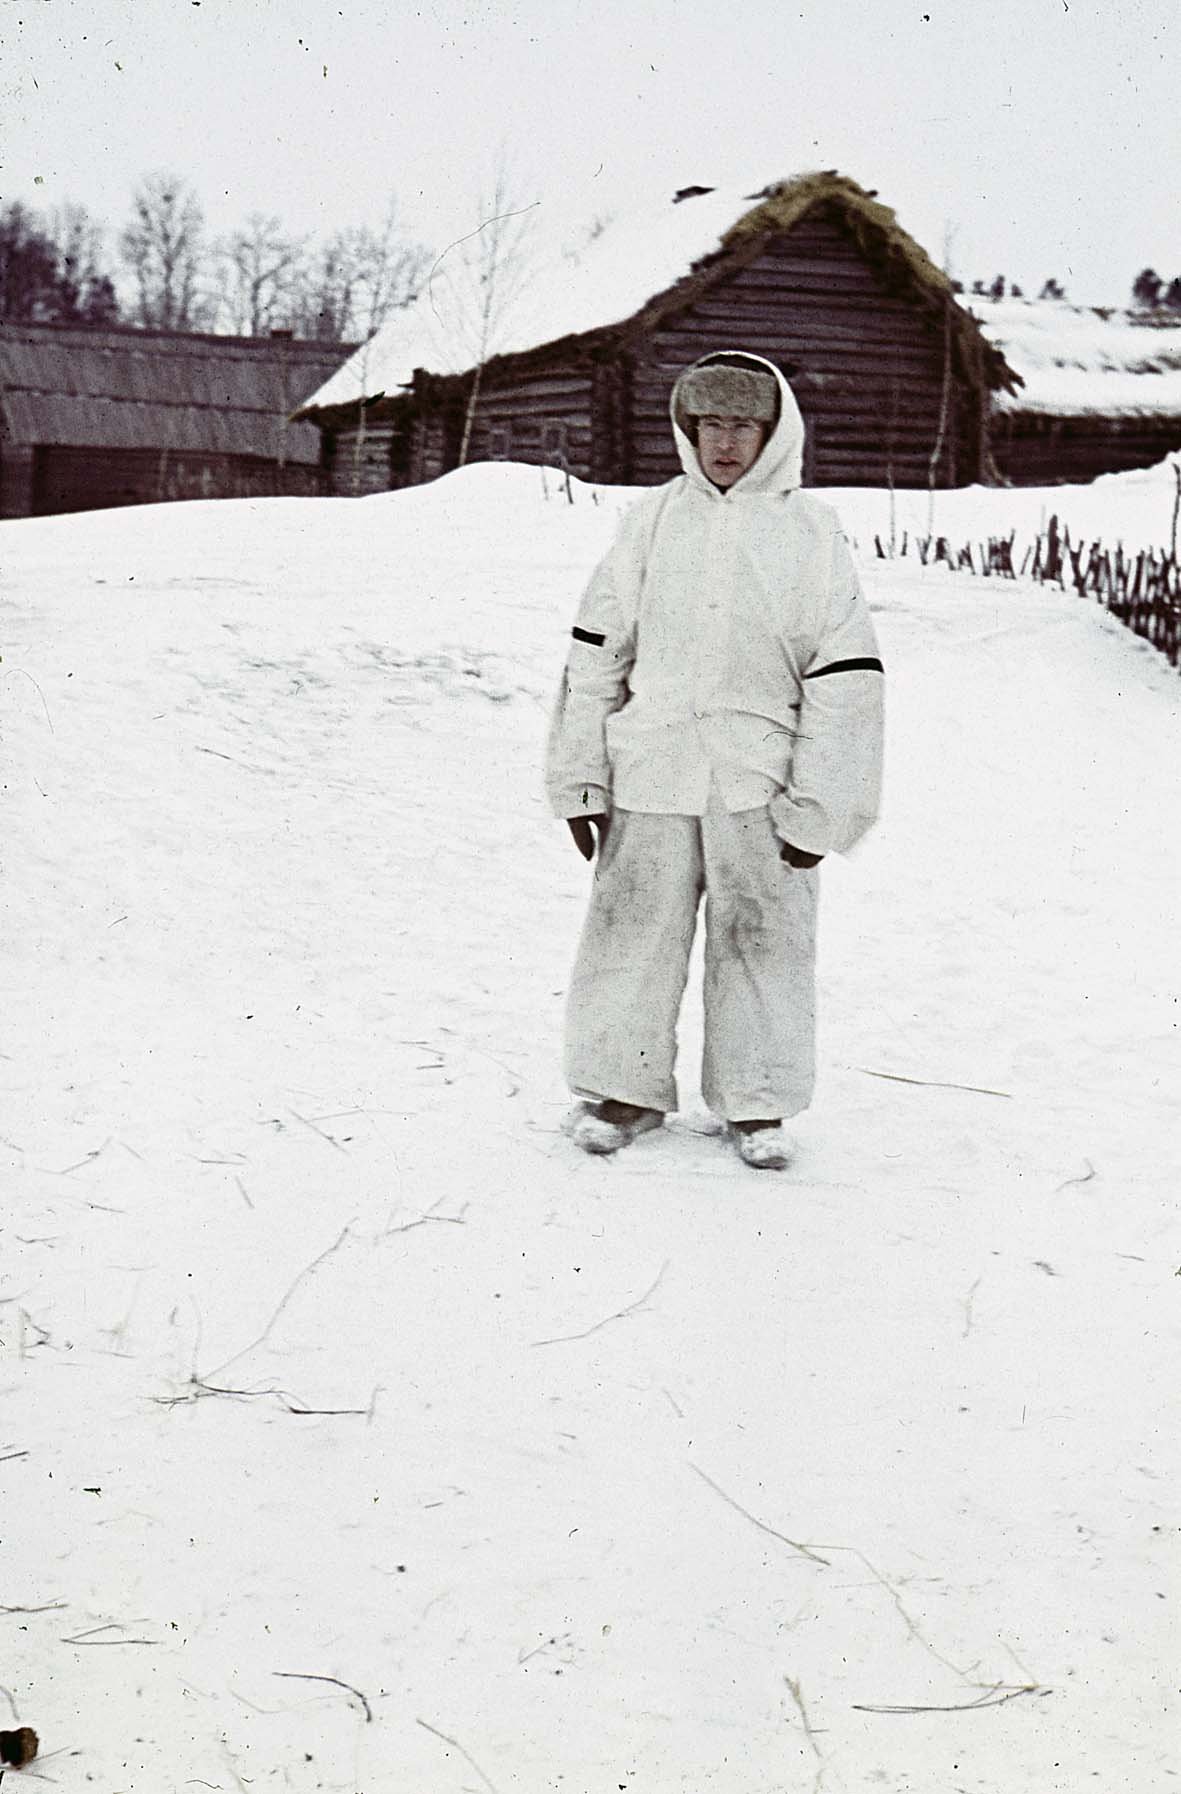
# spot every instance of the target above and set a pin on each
(1150, 291)
(166, 271)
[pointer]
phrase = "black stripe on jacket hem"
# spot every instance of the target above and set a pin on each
(588, 635)
(867, 665)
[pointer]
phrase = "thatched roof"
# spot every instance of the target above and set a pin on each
(633, 270)
(904, 266)
(80, 387)
(1077, 361)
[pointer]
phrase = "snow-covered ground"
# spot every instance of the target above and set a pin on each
(356, 1433)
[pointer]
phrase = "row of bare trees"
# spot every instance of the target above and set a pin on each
(1000, 288)
(171, 273)
(1150, 291)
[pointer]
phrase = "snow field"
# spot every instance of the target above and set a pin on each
(323, 1355)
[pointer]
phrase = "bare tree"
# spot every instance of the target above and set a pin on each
(944, 410)
(359, 278)
(389, 271)
(264, 268)
(163, 247)
(325, 301)
(476, 285)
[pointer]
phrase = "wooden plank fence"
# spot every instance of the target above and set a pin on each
(1143, 590)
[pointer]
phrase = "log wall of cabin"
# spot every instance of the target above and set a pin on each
(434, 446)
(1033, 450)
(357, 461)
(541, 417)
(866, 365)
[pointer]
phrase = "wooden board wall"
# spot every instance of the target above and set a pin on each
(61, 480)
(17, 469)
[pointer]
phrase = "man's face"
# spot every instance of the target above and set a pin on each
(728, 447)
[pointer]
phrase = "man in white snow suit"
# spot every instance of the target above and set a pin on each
(718, 731)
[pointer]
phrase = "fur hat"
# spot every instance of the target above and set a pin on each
(723, 390)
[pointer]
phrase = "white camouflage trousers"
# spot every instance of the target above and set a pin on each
(633, 963)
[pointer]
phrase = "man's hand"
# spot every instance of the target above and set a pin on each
(581, 826)
(795, 856)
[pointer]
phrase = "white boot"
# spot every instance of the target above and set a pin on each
(767, 1146)
(606, 1126)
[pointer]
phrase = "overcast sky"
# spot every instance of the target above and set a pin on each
(1029, 137)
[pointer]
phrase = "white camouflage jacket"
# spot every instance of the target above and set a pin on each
(724, 640)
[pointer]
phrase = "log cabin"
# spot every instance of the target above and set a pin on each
(1100, 392)
(893, 375)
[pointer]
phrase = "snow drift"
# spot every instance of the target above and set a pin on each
(357, 1433)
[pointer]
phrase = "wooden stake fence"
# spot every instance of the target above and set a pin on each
(1142, 590)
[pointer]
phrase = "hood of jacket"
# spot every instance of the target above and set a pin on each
(779, 467)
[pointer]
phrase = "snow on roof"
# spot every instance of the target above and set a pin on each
(1078, 362)
(116, 387)
(580, 280)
